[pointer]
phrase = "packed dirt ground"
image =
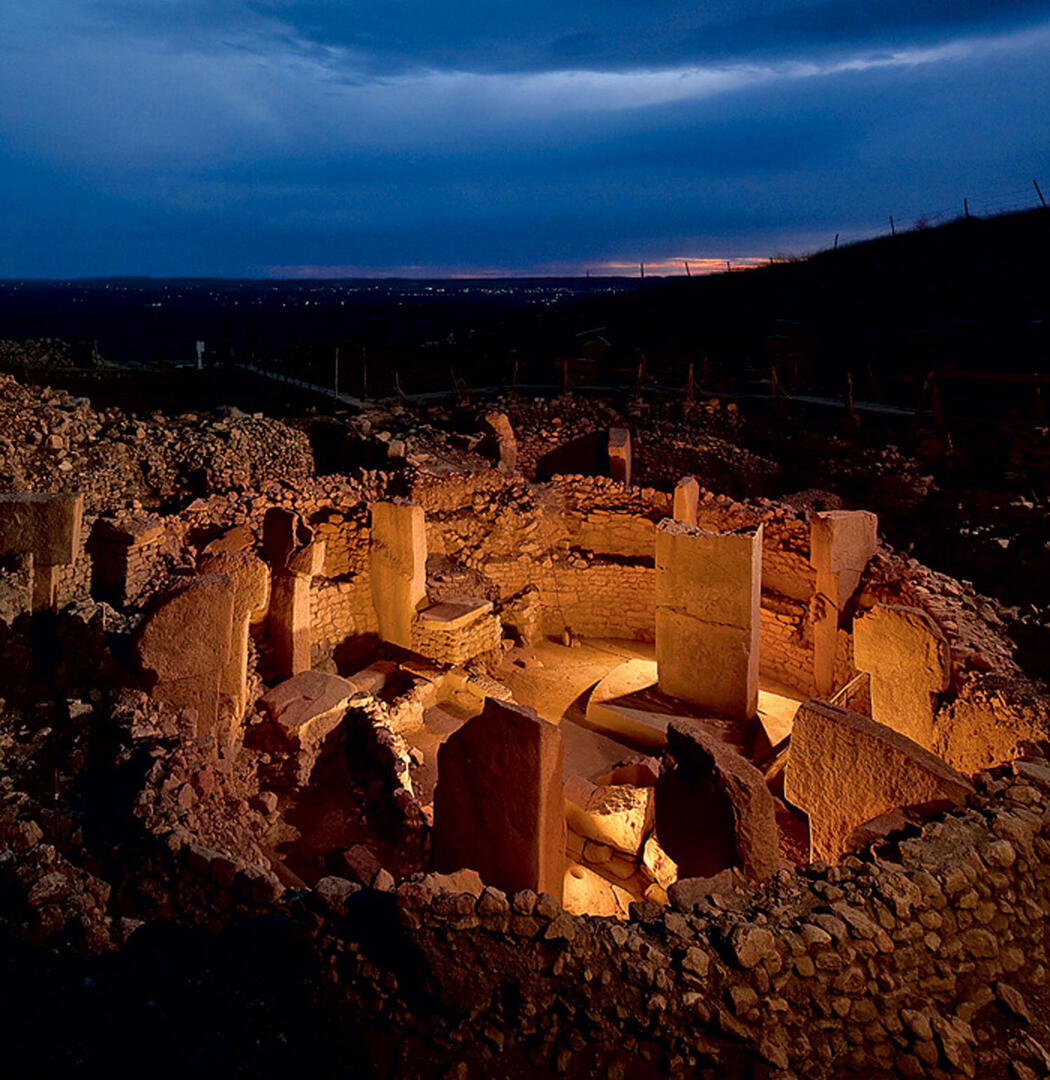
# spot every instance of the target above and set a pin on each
(406, 741)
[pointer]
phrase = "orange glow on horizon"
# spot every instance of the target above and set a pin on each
(671, 266)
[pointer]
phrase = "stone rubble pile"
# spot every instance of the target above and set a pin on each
(53, 441)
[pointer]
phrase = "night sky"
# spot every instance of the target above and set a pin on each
(271, 138)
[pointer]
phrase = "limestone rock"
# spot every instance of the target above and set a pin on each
(498, 805)
(845, 769)
(714, 808)
(619, 815)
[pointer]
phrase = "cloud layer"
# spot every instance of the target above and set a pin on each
(226, 137)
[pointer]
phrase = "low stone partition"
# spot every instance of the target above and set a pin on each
(886, 966)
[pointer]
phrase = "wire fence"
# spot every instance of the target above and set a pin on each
(985, 205)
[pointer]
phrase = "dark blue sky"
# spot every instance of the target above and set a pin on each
(268, 137)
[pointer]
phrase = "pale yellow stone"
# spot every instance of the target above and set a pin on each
(620, 815)
(588, 893)
(708, 591)
(398, 559)
(909, 661)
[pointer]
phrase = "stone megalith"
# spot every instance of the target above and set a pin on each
(686, 500)
(620, 454)
(295, 558)
(713, 808)
(708, 591)
(909, 661)
(500, 437)
(184, 642)
(251, 584)
(398, 561)
(499, 804)
(46, 527)
(841, 544)
(844, 769)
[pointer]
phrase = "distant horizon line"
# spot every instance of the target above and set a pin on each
(619, 271)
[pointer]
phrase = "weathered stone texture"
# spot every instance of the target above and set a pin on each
(184, 640)
(498, 805)
(713, 807)
(250, 594)
(398, 568)
(842, 543)
(845, 769)
(909, 662)
(708, 588)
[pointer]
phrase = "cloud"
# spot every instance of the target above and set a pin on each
(221, 137)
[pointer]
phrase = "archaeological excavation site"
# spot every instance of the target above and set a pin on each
(507, 736)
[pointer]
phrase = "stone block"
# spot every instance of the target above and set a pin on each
(708, 593)
(909, 662)
(686, 500)
(398, 559)
(845, 769)
(184, 641)
(841, 544)
(295, 557)
(713, 808)
(619, 815)
(251, 585)
(620, 454)
(499, 805)
(588, 893)
(46, 526)
(500, 436)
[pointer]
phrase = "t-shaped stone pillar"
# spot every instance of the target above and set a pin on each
(295, 558)
(841, 544)
(46, 527)
(686, 500)
(497, 424)
(620, 454)
(184, 642)
(499, 806)
(251, 584)
(909, 661)
(398, 561)
(708, 591)
(844, 769)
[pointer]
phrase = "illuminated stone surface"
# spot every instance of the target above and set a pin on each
(845, 769)
(708, 588)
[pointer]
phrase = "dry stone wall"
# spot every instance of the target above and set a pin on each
(888, 965)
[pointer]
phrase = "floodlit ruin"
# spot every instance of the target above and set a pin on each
(543, 770)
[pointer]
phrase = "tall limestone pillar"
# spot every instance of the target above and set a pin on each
(250, 592)
(295, 558)
(499, 805)
(46, 527)
(708, 592)
(841, 544)
(398, 562)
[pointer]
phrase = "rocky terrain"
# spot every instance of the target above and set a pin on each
(268, 902)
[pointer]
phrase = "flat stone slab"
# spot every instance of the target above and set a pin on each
(46, 525)
(588, 893)
(454, 614)
(372, 679)
(308, 703)
(844, 769)
(628, 705)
